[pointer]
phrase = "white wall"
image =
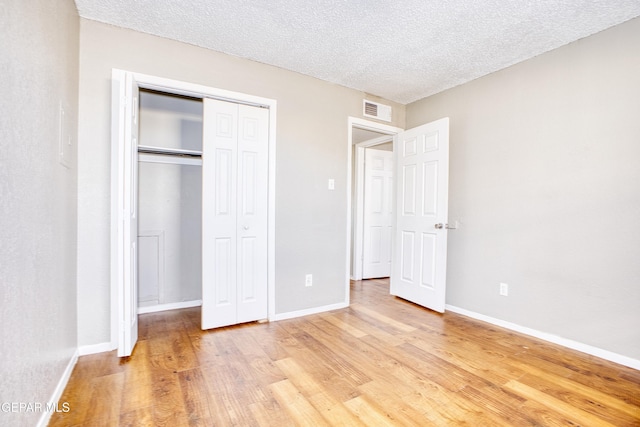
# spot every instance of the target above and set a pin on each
(311, 148)
(545, 179)
(39, 69)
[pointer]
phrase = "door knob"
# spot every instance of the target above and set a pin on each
(246, 227)
(440, 226)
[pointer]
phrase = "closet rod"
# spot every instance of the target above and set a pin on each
(168, 151)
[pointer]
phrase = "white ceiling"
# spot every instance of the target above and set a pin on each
(402, 50)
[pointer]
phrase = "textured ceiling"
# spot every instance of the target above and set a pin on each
(402, 50)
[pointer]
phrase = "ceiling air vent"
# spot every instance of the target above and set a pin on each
(377, 111)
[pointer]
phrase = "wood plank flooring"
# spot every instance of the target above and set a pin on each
(381, 362)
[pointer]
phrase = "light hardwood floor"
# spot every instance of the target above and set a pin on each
(381, 362)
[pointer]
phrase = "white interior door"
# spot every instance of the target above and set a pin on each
(420, 250)
(127, 133)
(234, 216)
(378, 213)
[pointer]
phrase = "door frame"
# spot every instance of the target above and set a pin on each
(355, 196)
(119, 192)
(358, 216)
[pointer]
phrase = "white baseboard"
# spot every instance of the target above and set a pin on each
(170, 306)
(574, 345)
(57, 392)
(308, 311)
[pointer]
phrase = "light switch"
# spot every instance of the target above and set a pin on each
(332, 184)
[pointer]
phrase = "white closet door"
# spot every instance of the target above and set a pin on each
(127, 134)
(234, 213)
(253, 138)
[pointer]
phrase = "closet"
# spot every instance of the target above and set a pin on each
(193, 216)
(202, 200)
(169, 202)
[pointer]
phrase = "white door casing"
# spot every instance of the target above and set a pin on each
(126, 134)
(378, 213)
(234, 217)
(420, 249)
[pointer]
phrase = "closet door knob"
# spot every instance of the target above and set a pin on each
(246, 227)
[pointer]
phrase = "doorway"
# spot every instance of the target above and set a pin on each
(362, 134)
(377, 222)
(125, 184)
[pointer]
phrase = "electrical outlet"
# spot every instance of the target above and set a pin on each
(504, 289)
(332, 184)
(308, 280)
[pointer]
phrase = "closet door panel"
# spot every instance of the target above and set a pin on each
(252, 212)
(223, 182)
(219, 213)
(249, 191)
(235, 194)
(248, 291)
(224, 268)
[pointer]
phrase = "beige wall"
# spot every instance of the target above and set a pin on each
(545, 179)
(39, 69)
(311, 148)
